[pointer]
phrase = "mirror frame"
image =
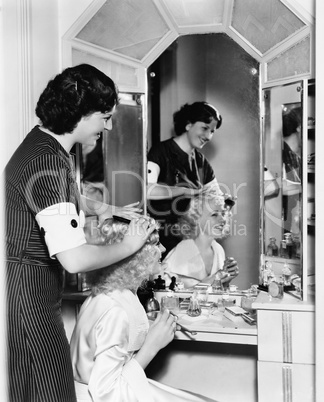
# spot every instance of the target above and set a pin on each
(264, 258)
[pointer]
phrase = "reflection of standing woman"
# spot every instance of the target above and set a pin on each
(291, 183)
(44, 232)
(177, 170)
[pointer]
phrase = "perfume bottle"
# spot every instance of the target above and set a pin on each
(283, 249)
(290, 246)
(272, 249)
(267, 273)
(286, 272)
(159, 283)
(194, 309)
(217, 285)
(152, 304)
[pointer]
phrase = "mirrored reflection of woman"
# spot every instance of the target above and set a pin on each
(291, 180)
(112, 342)
(198, 257)
(177, 170)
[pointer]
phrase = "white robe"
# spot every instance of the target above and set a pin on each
(109, 331)
(186, 264)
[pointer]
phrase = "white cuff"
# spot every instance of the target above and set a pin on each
(153, 171)
(62, 227)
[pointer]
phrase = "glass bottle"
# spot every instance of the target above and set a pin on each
(286, 273)
(267, 273)
(283, 249)
(159, 283)
(221, 305)
(289, 245)
(152, 304)
(272, 249)
(194, 309)
(217, 285)
(296, 240)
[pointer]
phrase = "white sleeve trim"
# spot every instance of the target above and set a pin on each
(153, 172)
(63, 227)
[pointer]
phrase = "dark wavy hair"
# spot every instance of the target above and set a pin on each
(75, 93)
(291, 121)
(198, 111)
(131, 272)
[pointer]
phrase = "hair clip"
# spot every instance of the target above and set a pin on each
(121, 219)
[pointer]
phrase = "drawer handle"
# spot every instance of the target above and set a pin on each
(287, 337)
(287, 383)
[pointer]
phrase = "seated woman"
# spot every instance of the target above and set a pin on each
(112, 342)
(198, 257)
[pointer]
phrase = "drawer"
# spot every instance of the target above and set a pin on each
(286, 382)
(286, 336)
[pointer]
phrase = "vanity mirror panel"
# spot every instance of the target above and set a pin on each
(113, 171)
(282, 189)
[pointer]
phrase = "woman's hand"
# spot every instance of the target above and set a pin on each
(138, 232)
(232, 269)
(130, 211)
(160, 334)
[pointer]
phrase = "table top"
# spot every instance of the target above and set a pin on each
(210, 326)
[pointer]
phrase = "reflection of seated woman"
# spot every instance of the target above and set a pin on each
(291, 180)
(112, 342)
(198, 257)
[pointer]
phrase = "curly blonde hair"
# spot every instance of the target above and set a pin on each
(130, 272)
(189, 222)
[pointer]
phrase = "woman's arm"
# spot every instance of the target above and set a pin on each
(104, 211)
(157, 191)
(88, 257)
(160, 334)
(160, 191)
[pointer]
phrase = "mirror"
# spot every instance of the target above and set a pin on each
(190, 70)
(118, 178)
(282, 186)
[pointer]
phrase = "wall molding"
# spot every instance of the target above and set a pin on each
(24, 70)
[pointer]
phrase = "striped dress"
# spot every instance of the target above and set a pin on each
(39, 174)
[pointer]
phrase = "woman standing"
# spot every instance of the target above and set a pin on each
(44, 231)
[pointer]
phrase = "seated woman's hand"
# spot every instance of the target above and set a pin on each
(232, 269)
(161, 332)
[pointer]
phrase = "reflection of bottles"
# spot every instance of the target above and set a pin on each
(296, 241)
(286, 272)
(267, 273)
(283, 249)
(290, 246)
(272, 249)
